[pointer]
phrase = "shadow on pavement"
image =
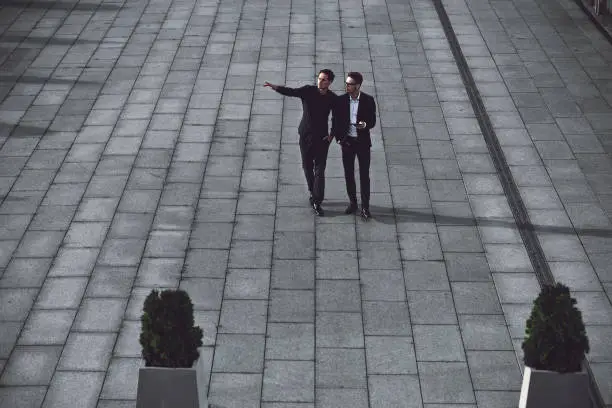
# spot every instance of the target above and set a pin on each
(58, 5)
(390, 215)
(17, 131)
(8, 39)
(30, 79)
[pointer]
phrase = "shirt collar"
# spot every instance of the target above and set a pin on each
(356, 99)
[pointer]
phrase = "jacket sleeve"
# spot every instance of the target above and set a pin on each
(371, 121)
(297, 92)
(335, 128)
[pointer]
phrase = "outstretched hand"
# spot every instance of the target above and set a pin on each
(269, 85)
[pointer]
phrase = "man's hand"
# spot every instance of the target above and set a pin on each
(361, 125)
(328, 138)
(269, 85)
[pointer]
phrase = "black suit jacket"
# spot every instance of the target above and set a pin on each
(315, 111)
(342, 117)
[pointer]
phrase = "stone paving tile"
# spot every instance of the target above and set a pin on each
(238, 353)
(437, 343)
(340, 368)
(338, 296)
(8, 338)
(100, 315)
(47, 327)
(74, 388)
(497, 398)
(74, 262)
(16, 303)
(235, 390)
(475, 298)
(338, 397)
(290, 341)
(128, 340)
(247, 284)
(22, 397)
(205, 293)
(243, 316)
(339, 330)
(431, 307)
(484, 332)
(426, 275)
(445, 382)
(159, 272)
(61, 293)
(395, 390)
(382, 285)
(337, 265)
(293, 274)
(292, 306)
(501, 364)
(602, 375)
(386, 318)
(122, 379)
(289, 381)
(30, 365)
(111, 282)
(206, 263)
(390, 355)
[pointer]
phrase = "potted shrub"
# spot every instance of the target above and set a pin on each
(554, 348)
(170, 341)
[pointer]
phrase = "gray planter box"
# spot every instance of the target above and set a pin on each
(160, 387)
(549, 389)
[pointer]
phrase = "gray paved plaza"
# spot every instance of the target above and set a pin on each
(139, 150)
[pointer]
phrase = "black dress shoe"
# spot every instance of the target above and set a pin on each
(351, 209)
(365, 214)
(318, 210)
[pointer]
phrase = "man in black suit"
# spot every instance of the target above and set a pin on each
(354, 114)
(317, 103)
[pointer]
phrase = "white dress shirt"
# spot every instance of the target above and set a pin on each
(354, 108)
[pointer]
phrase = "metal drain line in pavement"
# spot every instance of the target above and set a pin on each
(519, 211)
(594, 20)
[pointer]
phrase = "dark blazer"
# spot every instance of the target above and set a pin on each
(315, 110)
(342, 117)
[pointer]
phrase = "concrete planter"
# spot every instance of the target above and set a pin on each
(549, 389)
(160, 387)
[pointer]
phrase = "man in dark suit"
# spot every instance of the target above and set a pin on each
(354, 114)
(317, 103)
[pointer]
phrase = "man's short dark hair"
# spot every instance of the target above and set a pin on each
(357, 77)
(329, 73)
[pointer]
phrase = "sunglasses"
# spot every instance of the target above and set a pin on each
(350, 84)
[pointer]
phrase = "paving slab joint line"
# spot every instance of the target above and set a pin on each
(519, 211)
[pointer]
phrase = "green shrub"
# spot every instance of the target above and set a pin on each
(169, 337)
(556, 339)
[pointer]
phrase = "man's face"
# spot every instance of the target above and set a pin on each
(352, 87)
(323, 81)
